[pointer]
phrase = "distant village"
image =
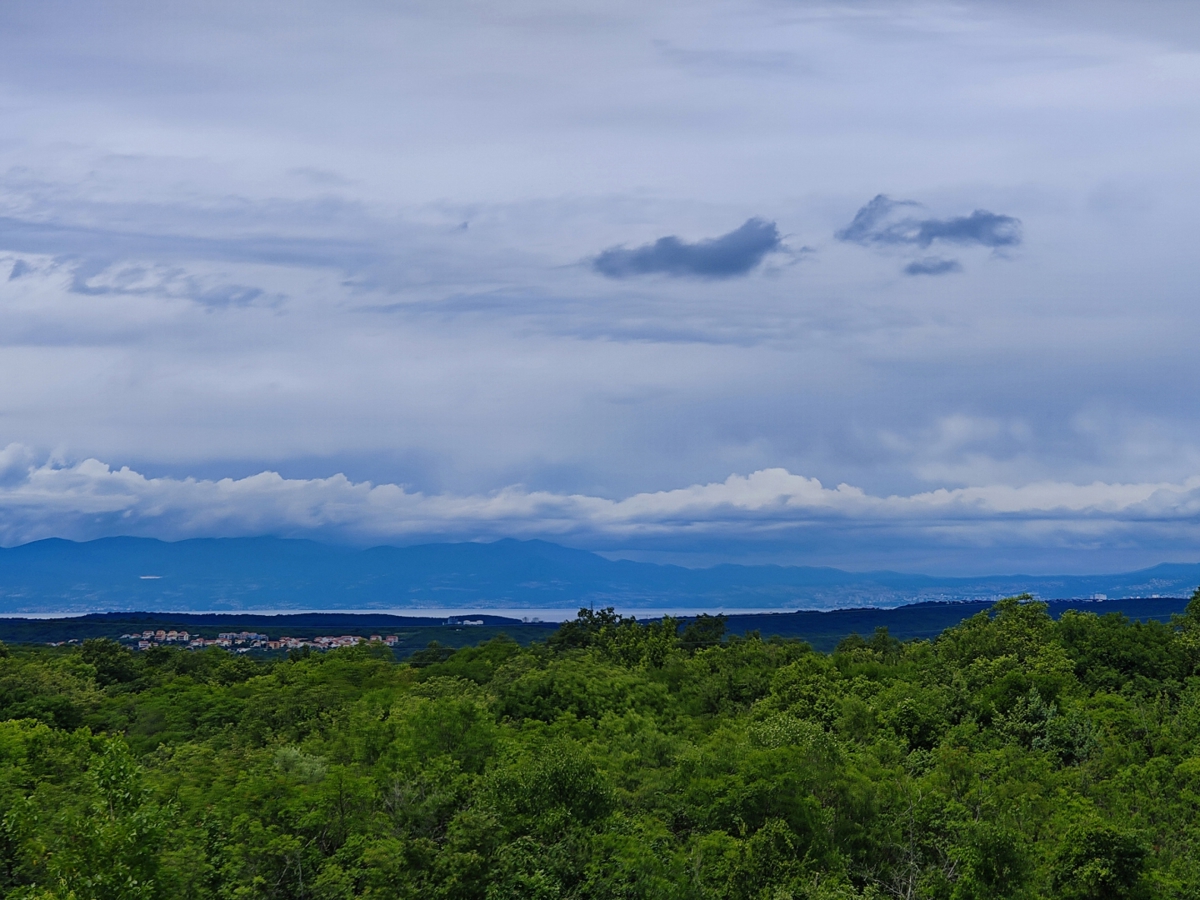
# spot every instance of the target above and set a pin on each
(245, 641)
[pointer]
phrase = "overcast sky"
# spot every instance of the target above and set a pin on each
(906, 285)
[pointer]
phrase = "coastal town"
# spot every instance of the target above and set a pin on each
(245, 641)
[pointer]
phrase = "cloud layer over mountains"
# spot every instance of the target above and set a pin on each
(90, 499)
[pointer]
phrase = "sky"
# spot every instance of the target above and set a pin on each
(904, 285)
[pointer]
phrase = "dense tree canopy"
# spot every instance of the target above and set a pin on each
(1013, 757)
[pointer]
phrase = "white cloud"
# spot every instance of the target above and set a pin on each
(90, 499)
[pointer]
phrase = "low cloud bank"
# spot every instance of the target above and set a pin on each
(90, 499)
(727, 256)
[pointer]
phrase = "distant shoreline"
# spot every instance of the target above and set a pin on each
(821, 628)
(523, 615)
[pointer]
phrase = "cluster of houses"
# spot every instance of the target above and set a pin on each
(329, 642)
(148, 639)
(244, 641)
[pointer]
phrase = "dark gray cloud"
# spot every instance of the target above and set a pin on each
(726, 256)
(881, 222)
(980, 227)
(932, 265)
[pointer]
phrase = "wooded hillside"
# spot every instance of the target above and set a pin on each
(1013, 756)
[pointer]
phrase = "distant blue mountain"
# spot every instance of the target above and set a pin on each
(127, 573)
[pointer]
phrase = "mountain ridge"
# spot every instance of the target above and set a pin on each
(125, 573)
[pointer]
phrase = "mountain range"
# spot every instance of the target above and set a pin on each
(265, 573)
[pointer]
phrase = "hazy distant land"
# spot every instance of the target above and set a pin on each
(243, 574)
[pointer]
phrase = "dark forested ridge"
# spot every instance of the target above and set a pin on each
(264, 573)
(824, 629)
(821, 629)
(1013, 756)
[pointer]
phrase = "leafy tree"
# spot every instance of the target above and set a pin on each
(113, 663)
(703, 631)
(1099, 862)
(109, 848)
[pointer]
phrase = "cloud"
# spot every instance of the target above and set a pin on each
(16, 461)
(94, 278)
(590, 317)
(727, 256)
(880, 223)
(102, 245)
(89, 499)
(20, 267)
(868, 224)
(981, 227)
(932, 265)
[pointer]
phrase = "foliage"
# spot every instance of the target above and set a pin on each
(1011, 757)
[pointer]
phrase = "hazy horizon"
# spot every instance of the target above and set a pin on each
(656, 558)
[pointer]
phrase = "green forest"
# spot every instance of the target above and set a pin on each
(1014, 756)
